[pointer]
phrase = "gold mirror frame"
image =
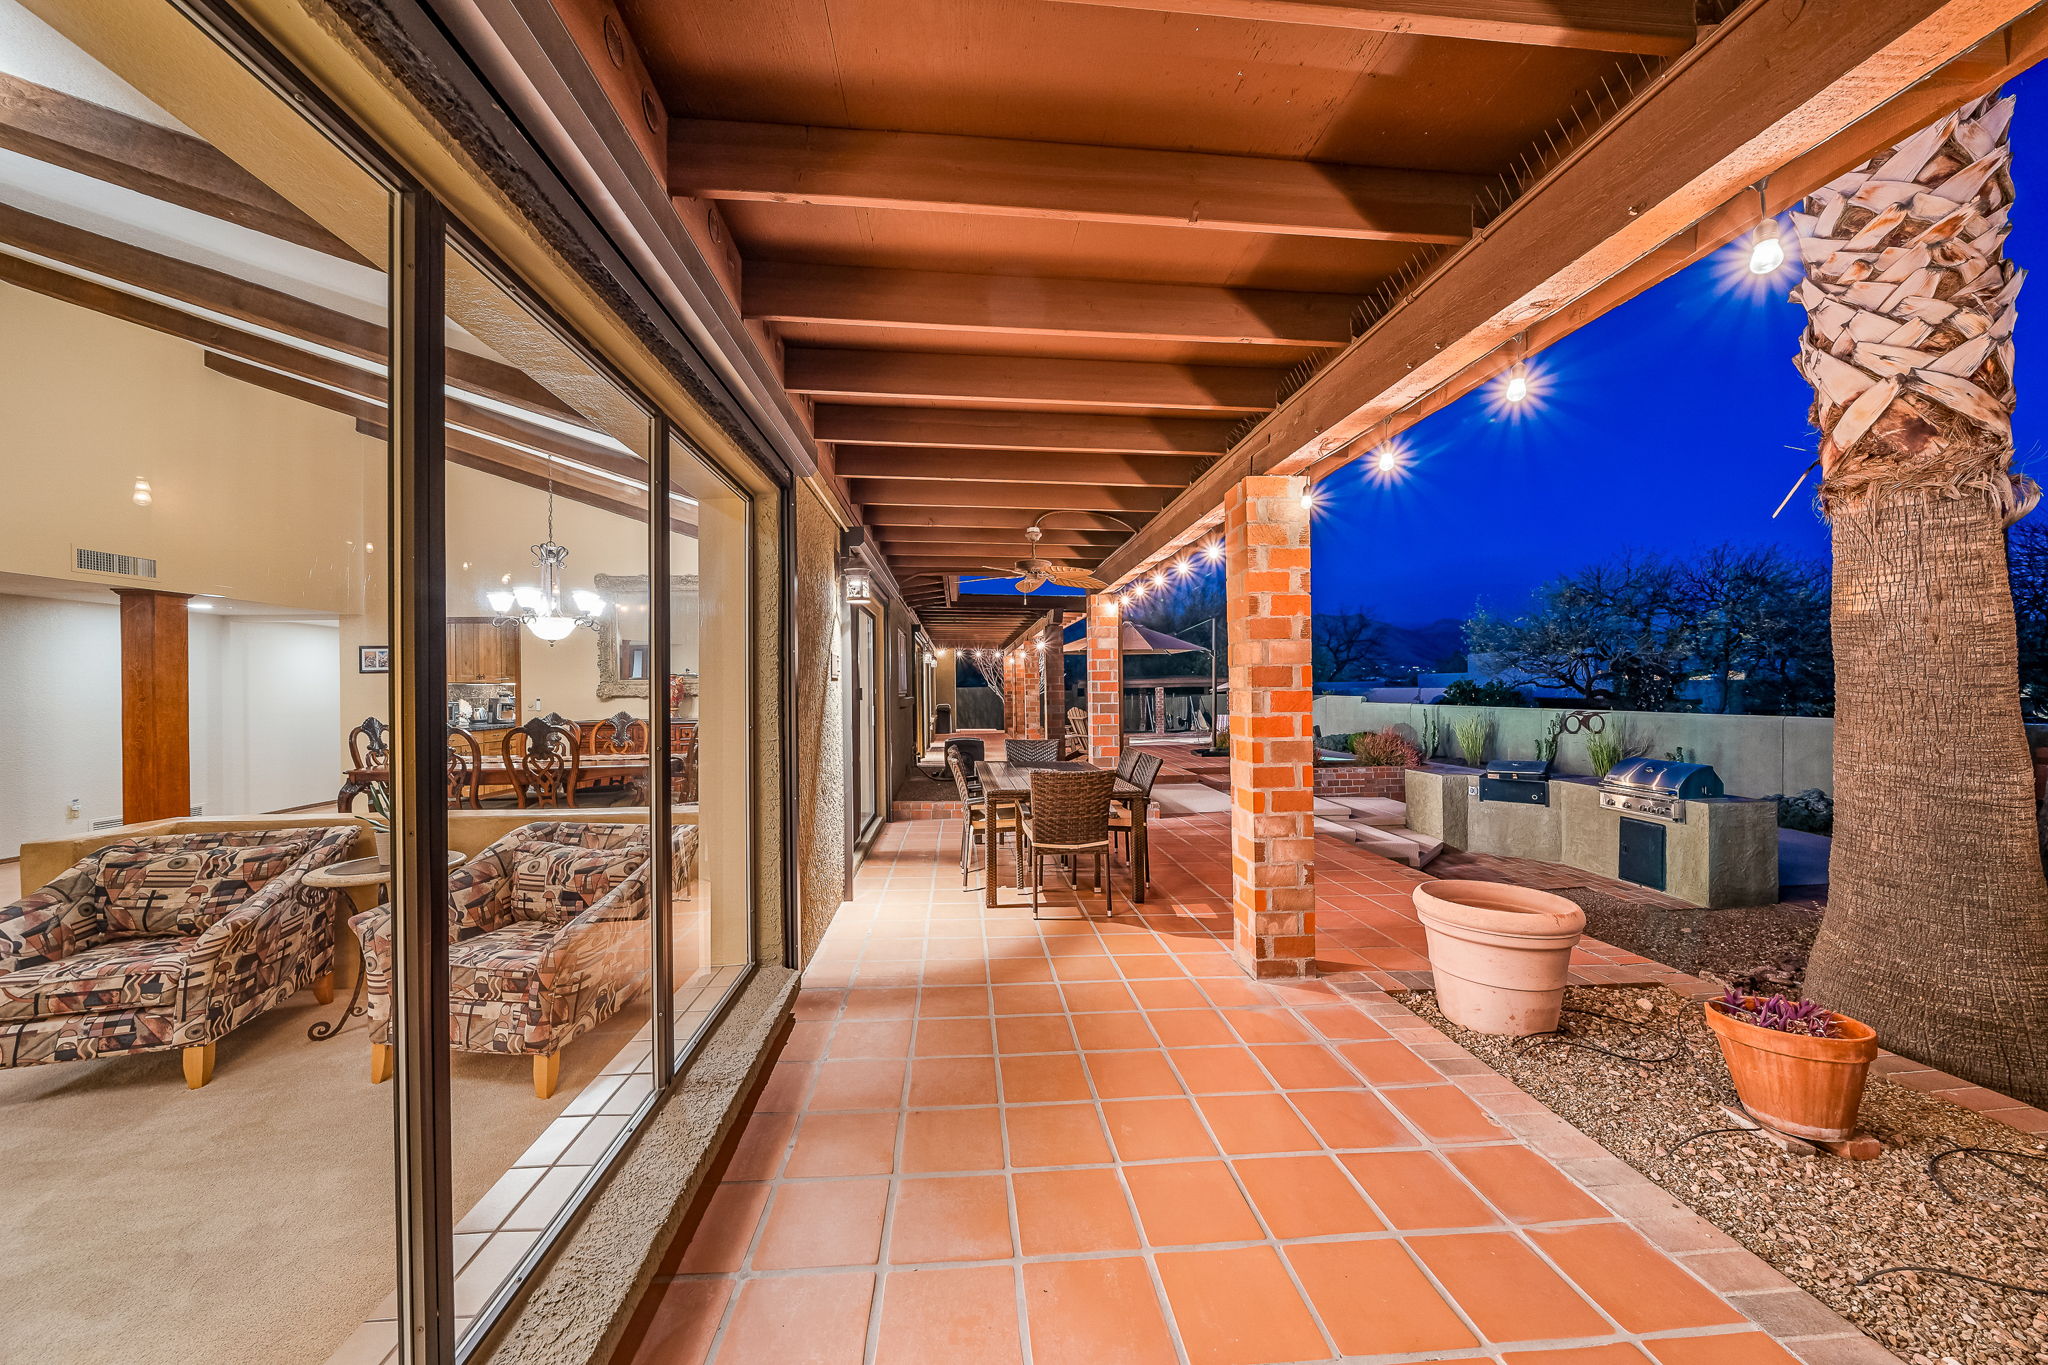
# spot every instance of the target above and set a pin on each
(633, 588)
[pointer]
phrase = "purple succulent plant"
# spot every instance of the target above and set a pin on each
(1777, 1012)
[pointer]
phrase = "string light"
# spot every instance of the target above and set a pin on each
(1213, 551)
(1159, 579)
(1308, 496)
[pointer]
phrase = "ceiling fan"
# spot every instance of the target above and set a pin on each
(1033, 573)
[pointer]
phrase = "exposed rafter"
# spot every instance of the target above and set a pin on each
(788, 163)
(1037, 467)
(847, 424)
(1653, 27)
(1039, 496)
(858, 297)
(1030, 381)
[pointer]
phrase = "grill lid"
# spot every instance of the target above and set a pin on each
(1519, 769)
(1665, 777)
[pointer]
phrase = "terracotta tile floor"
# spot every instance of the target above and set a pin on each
(997, 1139)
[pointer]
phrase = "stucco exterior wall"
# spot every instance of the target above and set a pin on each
(820, 721)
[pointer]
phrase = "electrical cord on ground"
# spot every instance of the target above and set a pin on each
(1989, 1156)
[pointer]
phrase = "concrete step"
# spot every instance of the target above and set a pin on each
(1379, 811)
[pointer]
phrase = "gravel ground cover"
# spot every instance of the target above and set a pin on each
(1825, 1223)
(1762, 947)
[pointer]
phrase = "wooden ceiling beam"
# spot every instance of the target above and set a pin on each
(1002, 536)
(1041, 306)
(1029, 381)
(217, 292)
(1041, 497)
(848, 167)
(1760, 94)
(984, 428)
(1657, 28)
(177, 168)
(1028, 466)
(886, 518)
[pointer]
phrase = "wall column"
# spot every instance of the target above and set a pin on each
(1023, 712)
(1272, 733)
(156, 706)
(1105, 681)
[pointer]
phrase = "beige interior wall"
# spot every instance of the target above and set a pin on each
(257, 496)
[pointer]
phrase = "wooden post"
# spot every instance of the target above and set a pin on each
(1105, 681)
(1272, 744)
(156, 706)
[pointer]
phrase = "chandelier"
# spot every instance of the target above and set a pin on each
(540, 609)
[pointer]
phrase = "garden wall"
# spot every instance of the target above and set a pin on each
(1755, 755)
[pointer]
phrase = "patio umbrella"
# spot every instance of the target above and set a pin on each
(1141, 640)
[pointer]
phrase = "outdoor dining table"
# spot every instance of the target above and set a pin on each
(1012, 782)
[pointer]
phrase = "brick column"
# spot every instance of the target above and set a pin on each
(1105, 681)
(1272, 728)
(1023, 714)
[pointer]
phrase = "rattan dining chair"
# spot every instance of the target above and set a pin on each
(984, 821)
(1025, 752)
(1069, 818)
(1140, 770)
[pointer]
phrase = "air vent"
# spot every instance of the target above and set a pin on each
(114, 823)
(199, 810)
(105, 561)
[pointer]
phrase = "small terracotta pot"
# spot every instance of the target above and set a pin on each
(1499, 953)
(1808, 1087)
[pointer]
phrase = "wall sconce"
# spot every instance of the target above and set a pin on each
(143, 495)
(859, 587)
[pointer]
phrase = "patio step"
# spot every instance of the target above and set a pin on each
(1403, 845)
(1379, 811)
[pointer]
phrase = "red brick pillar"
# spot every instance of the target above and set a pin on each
(1272, 730)
(1023, 713)
(1105, 681)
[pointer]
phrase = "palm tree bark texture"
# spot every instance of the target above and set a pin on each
(1936, 932)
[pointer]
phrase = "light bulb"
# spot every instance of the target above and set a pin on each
(1213, 551)
(551, 628)
(529, 597)
(1518, 384)
(1387, 461)
(501, 602)
(142, 495)
(1159, 579)
(1767, 255)
(589, 603)
(1308, 498)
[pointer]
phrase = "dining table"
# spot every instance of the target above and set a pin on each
(495, 772)
(1003, 782)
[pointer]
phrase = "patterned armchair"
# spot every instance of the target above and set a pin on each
(167, 942)
(548, 938)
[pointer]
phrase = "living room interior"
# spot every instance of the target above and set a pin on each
(196, 640)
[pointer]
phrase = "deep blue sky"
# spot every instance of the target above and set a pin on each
(1674, 422)
(1665, 426)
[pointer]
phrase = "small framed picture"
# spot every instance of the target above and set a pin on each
(373, 658)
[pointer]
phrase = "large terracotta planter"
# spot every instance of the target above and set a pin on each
(1808, 1087)
(1499, 953)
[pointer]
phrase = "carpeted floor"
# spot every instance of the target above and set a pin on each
(247, 1222)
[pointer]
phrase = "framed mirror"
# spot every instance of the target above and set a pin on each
(622, 662)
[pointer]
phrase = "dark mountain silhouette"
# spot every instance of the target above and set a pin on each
(1423, 647)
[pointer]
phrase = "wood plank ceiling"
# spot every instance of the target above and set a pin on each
(1030, 256)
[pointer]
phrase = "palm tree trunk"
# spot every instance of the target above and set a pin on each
(1936, 932)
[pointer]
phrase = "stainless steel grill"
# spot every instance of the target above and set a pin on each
(1658, 787)
(1524, 781)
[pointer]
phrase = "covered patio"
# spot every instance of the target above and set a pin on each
(994, 1138)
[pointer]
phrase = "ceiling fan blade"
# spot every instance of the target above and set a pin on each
(1075, 578)
(1030, 583)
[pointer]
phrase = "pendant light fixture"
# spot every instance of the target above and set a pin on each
(540, 609)
(1767, 248)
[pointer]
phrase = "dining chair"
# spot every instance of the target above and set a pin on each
(1140, 770)
(465, 768)
(971, 752)
(1069, 818)
(1026, 752)
(984, 822)
(542, 761)
(369, 744)
(622, 733)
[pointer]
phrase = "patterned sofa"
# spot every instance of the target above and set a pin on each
(548, 937)
(174, 941)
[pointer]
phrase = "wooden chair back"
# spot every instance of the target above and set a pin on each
(683, 782)
(623, 733)
(465, 768)
(542, 760)
(369, 744)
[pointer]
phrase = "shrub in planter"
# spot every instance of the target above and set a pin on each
(1385, 749)
(1796, 1066)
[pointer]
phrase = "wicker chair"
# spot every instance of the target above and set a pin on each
(1140, 770)
(1069, 818)
(985, 822)
(1026, 752)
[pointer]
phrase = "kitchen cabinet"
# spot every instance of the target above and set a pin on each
(482, 651)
